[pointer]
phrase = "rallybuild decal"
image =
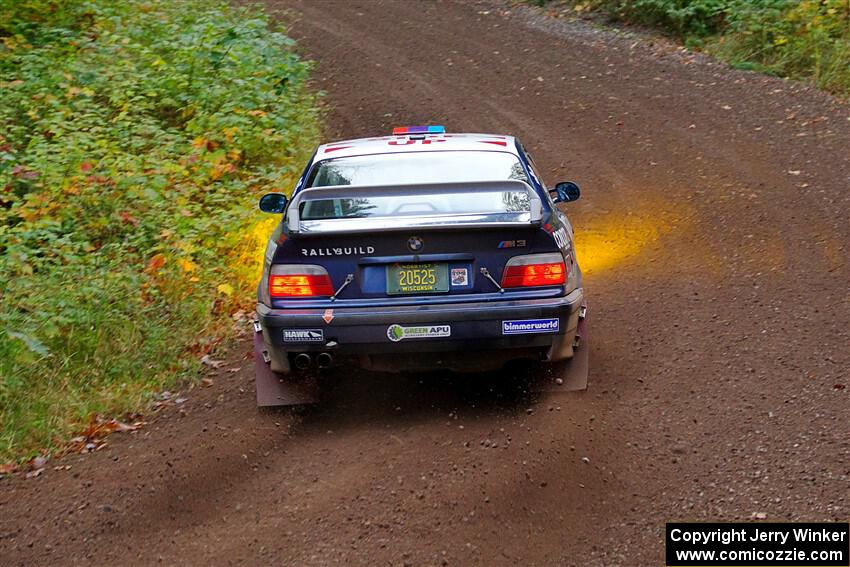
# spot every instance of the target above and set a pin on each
(396, 332)
(342, 251)
(303, 336)
(529, 326)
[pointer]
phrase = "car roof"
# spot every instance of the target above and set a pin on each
(417, 143)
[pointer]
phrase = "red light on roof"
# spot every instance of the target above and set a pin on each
(404, 130)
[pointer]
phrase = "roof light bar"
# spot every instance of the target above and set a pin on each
(403, 130)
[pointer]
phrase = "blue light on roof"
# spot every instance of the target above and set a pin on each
(403, 130)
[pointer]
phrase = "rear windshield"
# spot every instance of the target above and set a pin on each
(482, 202)
(418, 167)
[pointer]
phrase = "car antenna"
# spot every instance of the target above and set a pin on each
(486, 273)
(348, 279)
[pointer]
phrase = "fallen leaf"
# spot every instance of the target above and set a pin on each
(206, 382)
(226, 289)
(92, 437)
(128, 218)
(211, 361)
(124, 427)
(156, 262)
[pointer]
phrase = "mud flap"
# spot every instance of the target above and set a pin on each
(272, 389)
(569, 375)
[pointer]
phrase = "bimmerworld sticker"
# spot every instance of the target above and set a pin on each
(397, 333)
(530, 326)
(303, 336)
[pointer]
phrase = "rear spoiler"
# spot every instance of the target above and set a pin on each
(482, 219)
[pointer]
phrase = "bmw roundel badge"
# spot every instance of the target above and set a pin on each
(415, 243)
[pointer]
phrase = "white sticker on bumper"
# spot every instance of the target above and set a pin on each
(397, 333)
(531, 326)
(303, 336)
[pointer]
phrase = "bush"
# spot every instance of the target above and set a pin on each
(684, 17)
(807, 39)
(138, 134)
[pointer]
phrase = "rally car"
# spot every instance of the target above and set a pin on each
(419, 250)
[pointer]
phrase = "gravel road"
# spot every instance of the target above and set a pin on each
(714, 228)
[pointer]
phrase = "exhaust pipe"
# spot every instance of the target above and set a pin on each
(303, 361)
(324, 360)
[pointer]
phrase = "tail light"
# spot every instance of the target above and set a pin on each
(299, 280)
(535, 270)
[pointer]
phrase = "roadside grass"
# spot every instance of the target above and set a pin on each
(135, 138)
(807, 40)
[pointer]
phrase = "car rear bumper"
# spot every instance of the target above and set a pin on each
(547, 325)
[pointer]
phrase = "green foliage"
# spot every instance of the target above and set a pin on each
(136, 136)
(807, 39)
(684, 17)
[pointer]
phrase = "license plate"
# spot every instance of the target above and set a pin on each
(417, 278)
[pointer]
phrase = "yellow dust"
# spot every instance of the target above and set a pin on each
(247, 259)
(604, 243)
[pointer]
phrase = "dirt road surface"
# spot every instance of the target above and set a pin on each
(714, 230)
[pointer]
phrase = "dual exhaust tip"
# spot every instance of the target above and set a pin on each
(303, 361)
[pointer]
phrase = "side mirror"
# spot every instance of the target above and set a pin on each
(565, 192)
(273, 203)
